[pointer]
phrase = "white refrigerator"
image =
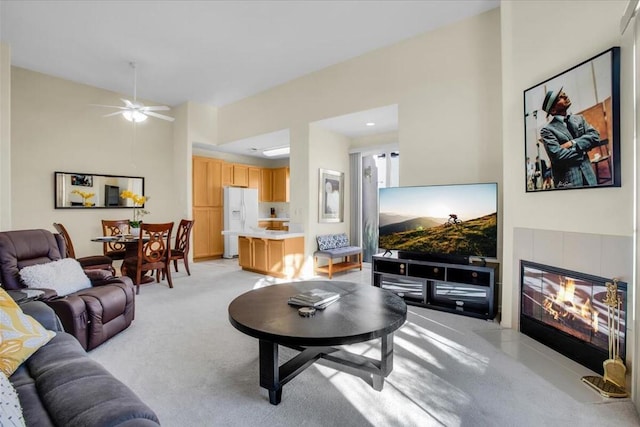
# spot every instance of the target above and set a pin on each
(240, 214)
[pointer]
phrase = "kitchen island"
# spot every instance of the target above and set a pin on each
(271, 252)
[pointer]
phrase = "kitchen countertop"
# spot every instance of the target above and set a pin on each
(266, 234)
(274, 219)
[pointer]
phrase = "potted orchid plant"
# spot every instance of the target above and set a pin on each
(138, 211)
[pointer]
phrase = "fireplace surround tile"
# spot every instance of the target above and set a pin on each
(574, 244)
(548, 247)
(617, 257)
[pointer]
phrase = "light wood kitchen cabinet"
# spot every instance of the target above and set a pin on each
(280, 185)
(245, 258)
(240, 175)
(252, 253)
(254, 178)
(260, 254)
(207, 182)
(265, 191)
(207, 232)
(235, 174)
(207, 208)
(227, 174)
(275, 257)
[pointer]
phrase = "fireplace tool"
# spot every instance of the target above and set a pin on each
(613, 383)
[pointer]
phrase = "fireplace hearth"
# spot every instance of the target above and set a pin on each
(565, 310)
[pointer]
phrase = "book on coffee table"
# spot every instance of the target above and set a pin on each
(316, 298)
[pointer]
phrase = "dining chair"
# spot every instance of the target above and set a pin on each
(154, 248)
(92, 262)
(181, 246)
(114, 250)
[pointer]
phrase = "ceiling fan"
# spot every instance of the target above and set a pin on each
(135, 111)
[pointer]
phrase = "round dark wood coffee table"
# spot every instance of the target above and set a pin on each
(362, 313)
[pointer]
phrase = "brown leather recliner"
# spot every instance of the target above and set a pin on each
(92, 315)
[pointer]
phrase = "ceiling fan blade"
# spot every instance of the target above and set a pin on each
(155, 108)
(160, 116)
(128, 103)
(108, 106)
(113, 114)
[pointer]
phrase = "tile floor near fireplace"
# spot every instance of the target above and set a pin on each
(555, 368)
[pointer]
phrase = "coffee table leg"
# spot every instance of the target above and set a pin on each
(269, 371)
(386, 362)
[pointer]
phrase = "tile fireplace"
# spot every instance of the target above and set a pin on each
(565, 310)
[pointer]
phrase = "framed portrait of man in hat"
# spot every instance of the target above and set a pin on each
(572, 127)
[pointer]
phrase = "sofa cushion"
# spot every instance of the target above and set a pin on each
(10, 409)
(76, 390)
(332, 241)
(20, 335)
(64, 276)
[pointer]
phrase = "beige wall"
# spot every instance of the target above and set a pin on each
(5, 137)
(54, 129)
(447, 87)
(528, 32)
(327, 150)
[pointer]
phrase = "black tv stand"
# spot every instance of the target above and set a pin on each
(419, 256)
(388, 251)
(468, 289)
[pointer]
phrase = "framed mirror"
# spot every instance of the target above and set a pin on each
(75, 190)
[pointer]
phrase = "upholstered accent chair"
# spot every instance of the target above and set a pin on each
(93, 314)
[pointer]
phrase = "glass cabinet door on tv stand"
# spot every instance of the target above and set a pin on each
(468, 289)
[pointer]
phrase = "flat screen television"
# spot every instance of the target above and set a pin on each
(448, 223)
(111, 195)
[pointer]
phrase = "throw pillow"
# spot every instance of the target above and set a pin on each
(64, 276)
(10, 409)
(20, 335)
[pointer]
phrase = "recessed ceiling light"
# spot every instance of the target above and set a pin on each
(370, 124)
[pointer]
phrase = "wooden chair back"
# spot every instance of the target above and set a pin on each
(154, 249)
(183, 236)
(61, 229)
(182, 244)
(113, 227)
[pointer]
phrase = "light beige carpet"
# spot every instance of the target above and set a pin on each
(185, 360)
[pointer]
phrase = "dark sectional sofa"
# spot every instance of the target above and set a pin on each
(60, 385)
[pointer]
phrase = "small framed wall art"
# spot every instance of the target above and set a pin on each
(331, 196)
(572, 127)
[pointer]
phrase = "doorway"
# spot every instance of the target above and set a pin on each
(379, 170)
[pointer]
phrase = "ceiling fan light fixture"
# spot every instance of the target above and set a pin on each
(134, 116)
(280, 151)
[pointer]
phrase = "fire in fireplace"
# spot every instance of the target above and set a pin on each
(565, 310)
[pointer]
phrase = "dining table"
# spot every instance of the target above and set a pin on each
(130, 243)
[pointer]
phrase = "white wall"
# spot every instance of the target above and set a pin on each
(535, 35)
(54, 129)
(528, 60)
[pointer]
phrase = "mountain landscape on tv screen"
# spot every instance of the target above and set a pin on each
(476, 236)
